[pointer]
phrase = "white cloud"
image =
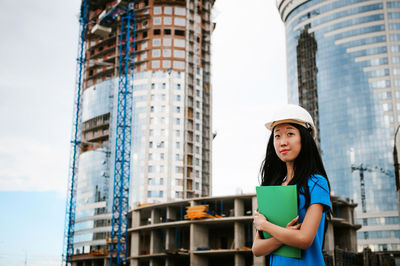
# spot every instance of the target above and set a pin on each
(29, 165)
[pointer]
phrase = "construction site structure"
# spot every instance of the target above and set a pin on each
(142, 118)
(218, 231)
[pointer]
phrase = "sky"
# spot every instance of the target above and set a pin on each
(37, 77)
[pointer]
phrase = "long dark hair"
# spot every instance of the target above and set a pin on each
(307, 163)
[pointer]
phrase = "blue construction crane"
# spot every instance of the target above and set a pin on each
(120, 217)
(120, 208)
(76, 136)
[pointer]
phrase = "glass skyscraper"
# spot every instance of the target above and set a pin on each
(171, 115)
(343, 65)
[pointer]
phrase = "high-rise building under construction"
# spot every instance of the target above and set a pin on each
(343, 66)
(171, 110)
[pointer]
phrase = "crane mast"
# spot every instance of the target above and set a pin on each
(124, 12)
(76, 136)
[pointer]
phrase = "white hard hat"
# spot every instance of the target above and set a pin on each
(290, 113)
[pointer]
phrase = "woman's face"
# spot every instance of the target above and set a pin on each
(287, 142)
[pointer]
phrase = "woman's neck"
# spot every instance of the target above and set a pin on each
(289, 173)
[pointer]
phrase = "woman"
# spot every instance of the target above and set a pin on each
(292, 158)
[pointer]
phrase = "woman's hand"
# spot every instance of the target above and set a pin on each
(292, 224)
(259, 219)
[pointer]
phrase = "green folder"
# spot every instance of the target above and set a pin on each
(279, 205)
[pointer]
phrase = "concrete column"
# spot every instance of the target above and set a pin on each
(239, 235)
(329, 245)
(135, 219)
(239, 260)
(133, 262)
(170, 239)
(239, 207)
(198, 238)
(172, 213)
(258, 261)
(155, 242)
(135, 243)
(155, 216)
(198, 260)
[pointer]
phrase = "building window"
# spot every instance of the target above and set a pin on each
(167, 32)
(161, 144)
(178, 132)
(178, 145)
(167, 42)
(161, 194)
(162, 156)
(177, 109)
(156, 21)
(150, 144)
(157, 10)
(179, 53)
(179, 21)
(177, 98)
(179, 64)
(168, 10)
(179, 43)
(177, 121)
(179, 32)
(177, 86)
(180, 11)
(157, 32)
(161, 181)
(163, 86)
(179, 169)
(151, 168)
(155, 64)
(157, 42)
(166, 63)
(168, 21)
(167, 52)
(197, 125)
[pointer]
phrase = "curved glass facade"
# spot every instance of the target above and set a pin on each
(343, 66)
(94, 201)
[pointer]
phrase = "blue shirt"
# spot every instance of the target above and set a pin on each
(319, 193)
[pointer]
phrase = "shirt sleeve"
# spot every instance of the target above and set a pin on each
(319, 192)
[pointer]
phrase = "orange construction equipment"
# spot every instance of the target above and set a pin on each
(197, 212)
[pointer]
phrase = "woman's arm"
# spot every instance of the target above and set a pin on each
(302, 238)
(263, 247)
